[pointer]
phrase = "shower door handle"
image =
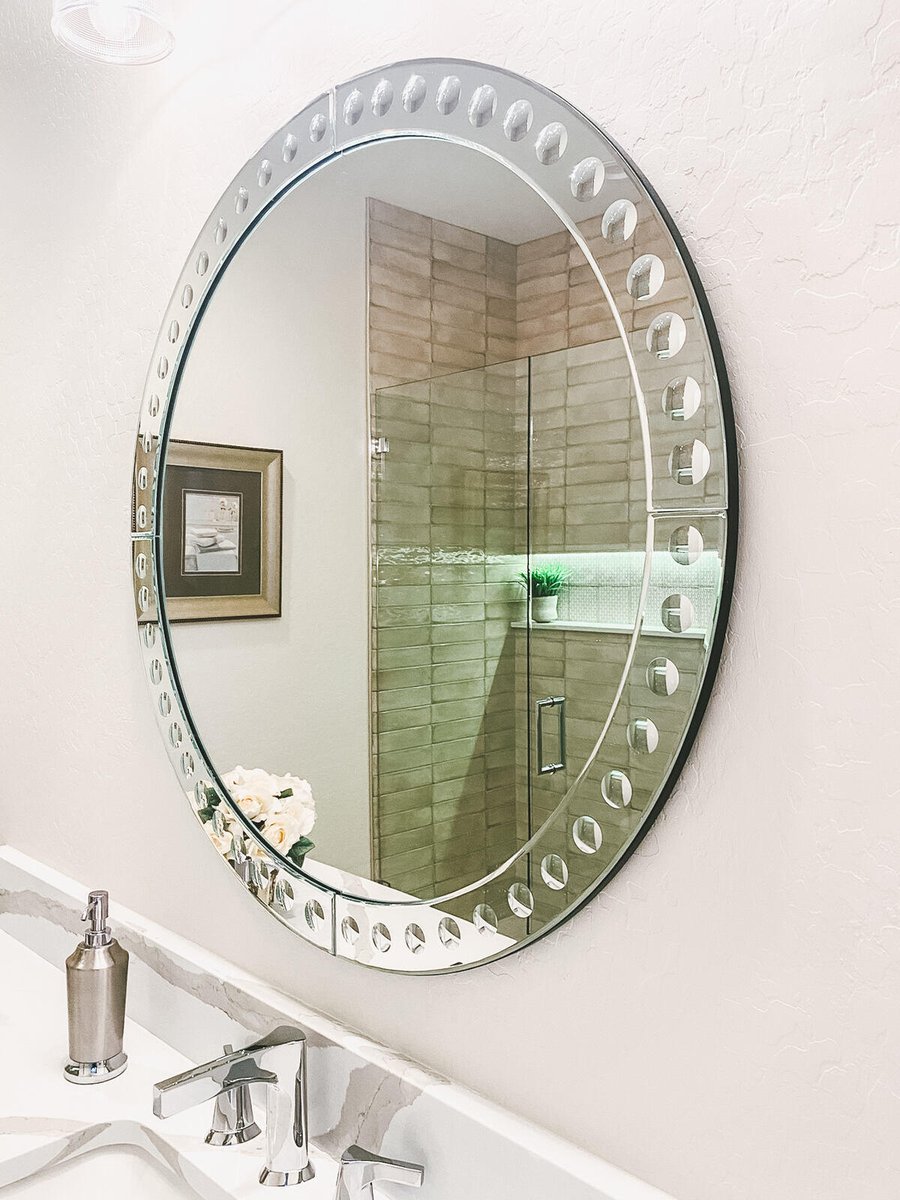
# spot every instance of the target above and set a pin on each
(559, 703)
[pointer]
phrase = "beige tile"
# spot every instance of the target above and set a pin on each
(396, 368)
(458, 256)
(396, 802)
(458, 316)
(545, 247)
(393, 864)
(406, 283)
(404, 739)
(409, 698)
(398, 346)
(445, 770)
(447, 272)
(454, 235)
(392, 320)
(399, 302)
(391, 214)
(471, 299)
(399, 260)
(414, 818)
(453, 358)
(381, 234)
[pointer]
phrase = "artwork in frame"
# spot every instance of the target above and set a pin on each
(221, 532)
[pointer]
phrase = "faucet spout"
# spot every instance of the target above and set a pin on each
(277, 1061)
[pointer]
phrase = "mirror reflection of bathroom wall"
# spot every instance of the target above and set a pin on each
(464, 516)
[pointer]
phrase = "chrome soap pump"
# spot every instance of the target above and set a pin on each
(96, 979)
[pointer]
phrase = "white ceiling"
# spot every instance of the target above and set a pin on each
(450, 182)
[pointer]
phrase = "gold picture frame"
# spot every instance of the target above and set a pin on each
(221, 532)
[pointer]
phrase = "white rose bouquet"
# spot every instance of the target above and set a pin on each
(280, 806)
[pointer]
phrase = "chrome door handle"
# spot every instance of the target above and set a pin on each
(559, 703)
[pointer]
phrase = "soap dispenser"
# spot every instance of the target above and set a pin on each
(96, 979)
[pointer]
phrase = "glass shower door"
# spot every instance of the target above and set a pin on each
(449, 538)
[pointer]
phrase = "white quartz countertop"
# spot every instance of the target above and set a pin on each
(45, 1120)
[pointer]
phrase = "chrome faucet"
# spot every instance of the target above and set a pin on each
(233, 1123)
(279, 1062)
(360, 1168)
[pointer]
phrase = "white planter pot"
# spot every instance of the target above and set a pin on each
(543, 609)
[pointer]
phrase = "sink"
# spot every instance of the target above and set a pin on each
(111, 1171)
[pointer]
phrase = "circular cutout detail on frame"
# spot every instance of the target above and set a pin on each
(353, 107)
(318, 127)
(586, 179)
(551, 143)
(646, 275)
(485, 919)
(681, 398)
(678, 614)
(414, 93)
(520, 900)
(686, 545)
(518, 120)
(350, 930)
(587, 835)
(482, 106)
(643, 736)
(314, 914)
(616, 789)
(414, 938)
(448, 932)
(689, 463)
(666, 335)
(619, 222)
(662, 677)
(554, 872)
(448, 95)
(382, 97)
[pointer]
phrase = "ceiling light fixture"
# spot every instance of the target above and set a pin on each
(125, 32)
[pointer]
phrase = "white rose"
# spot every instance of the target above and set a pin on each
(252, 791)
(223, 842)
(282, 830)
(254, 849)
(300, 803)
(304, 815)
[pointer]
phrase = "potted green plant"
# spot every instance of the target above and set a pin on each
(544, 584)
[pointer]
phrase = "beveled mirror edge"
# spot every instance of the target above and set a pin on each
(265, 874)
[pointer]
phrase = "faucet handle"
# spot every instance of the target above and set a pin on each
(233, 1123)
(361, 1168)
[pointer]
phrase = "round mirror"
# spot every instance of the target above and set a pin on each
(421, 532)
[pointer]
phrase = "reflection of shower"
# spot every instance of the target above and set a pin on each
(479, 729)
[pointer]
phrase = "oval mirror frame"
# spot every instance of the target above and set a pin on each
(566, 159)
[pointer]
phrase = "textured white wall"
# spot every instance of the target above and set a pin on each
(723, 1021)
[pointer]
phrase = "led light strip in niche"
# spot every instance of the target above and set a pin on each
(565, 158)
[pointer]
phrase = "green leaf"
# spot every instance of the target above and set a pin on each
(299, 850)
(548, 579)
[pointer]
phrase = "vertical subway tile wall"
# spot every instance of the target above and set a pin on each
(498, 379)
(445, 536)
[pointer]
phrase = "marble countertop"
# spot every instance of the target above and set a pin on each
(45, 1120)
(184, 1003)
